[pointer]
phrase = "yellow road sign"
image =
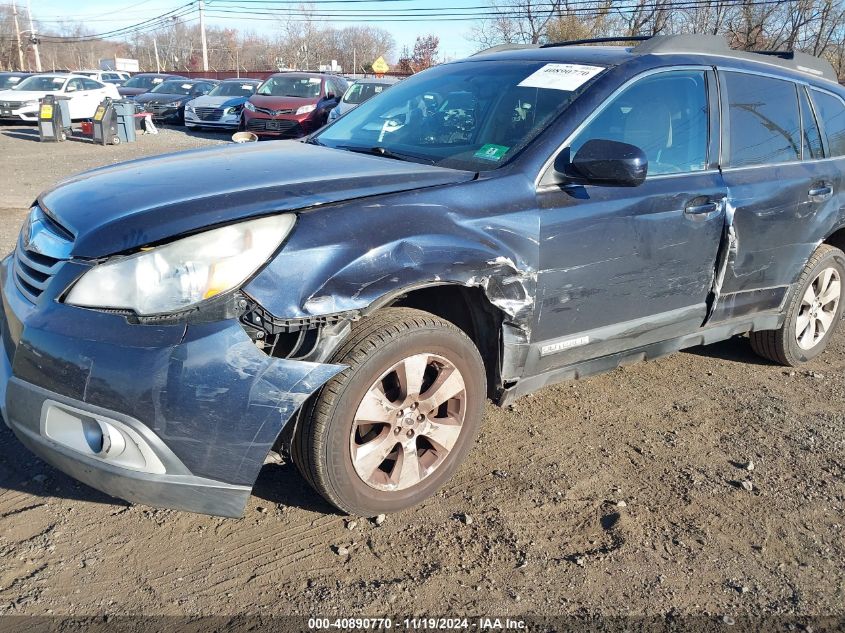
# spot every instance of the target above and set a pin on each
(380, 66)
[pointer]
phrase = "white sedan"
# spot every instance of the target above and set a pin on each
(21, 103)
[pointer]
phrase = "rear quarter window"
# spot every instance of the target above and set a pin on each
(765, 123)
(831, 113)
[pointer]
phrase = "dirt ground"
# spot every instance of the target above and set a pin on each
(620, 495)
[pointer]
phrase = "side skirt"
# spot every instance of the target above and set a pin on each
(584, 369)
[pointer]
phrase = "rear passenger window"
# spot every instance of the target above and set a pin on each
(764, 120)
(665, 115)
(831, 113)
(810, 137)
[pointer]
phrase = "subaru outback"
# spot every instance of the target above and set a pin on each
(481, 230)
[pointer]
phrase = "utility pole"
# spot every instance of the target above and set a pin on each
(202, 36)
(34, 39)
(155, 48)
(18, 35)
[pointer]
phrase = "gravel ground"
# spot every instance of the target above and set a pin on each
(632, 493)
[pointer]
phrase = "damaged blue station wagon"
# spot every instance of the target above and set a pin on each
(482, 229)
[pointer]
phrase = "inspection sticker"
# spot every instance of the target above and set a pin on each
(561, 76)
(492, 152)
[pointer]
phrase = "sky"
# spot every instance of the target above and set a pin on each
(105, 15)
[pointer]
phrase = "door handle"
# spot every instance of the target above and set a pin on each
(702, 208)
(823, 192)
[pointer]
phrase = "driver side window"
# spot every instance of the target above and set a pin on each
(665, 115)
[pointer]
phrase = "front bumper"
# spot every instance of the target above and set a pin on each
(18, 113)
(159, 113)
(201, 402)
(229, 121)
(287, 126)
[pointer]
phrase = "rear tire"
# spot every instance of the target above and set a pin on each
(814, 310)
(374, 439)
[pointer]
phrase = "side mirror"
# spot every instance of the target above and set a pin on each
(70, 89)
(606, 163)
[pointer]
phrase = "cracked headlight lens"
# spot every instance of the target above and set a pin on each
(183, 273)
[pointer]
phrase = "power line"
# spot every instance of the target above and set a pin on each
(464, 13)
(146, 25)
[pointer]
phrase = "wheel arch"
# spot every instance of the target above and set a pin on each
(470, 310)
(837, 238)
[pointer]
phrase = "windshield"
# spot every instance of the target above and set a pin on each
(174, 88)
(143, 82)
(359, 93)
(9, 81)
(233, 89)
(468, 115)
(304, 87)
(42, 83)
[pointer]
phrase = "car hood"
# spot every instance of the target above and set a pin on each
(160, 97)
(216, 102)
(281, 103)
(343, 107)
(123, 207)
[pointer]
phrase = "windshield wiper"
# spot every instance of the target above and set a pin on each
(387, 153)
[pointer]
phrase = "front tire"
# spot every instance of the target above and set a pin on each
(814, 311)
(387, 432)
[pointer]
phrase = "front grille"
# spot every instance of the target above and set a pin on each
(159, 108)
(209, 114)
(281, 126)
(275, 112)
(40, 252)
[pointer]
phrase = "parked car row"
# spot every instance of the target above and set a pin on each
(289, 104)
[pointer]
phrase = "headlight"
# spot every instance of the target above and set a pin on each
(189, 108)
(248, 105)
(306, 109)
(29, 104)
(233, 110)
(183, 273)
(173, 104)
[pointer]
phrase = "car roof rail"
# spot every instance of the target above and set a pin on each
(697, 44)
(599, 40)
(718, 45)
(504, 47)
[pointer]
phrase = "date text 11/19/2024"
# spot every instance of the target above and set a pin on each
(417, 624)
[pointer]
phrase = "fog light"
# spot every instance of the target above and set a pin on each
(95, 436)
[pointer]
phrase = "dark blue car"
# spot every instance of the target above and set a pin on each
(481, 230)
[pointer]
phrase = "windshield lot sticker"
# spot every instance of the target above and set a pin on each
(567, 77)
(492, 152)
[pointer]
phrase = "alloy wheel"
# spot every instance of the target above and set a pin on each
(408, 422)
(818, 308)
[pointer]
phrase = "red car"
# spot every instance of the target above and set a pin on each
(292, 104)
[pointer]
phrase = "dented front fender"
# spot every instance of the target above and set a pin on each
(347, 258)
